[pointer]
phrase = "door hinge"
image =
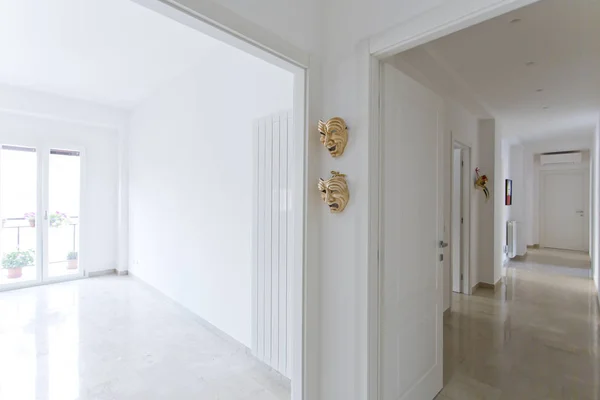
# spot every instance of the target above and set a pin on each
(441, 257)
(461, 220)
(462, 163)
(461, 277)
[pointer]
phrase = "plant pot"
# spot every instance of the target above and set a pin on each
(14, 273)
(72, 264)
(32, 223)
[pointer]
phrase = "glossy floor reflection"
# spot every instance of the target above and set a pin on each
(114, 338)
(535, 338)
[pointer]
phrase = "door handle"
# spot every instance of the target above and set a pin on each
(443, 244)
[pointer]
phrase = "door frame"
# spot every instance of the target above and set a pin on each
(45, 205)
(43, 147)
(370, 53)
(584, 195)
(465, 232)
(226, 26)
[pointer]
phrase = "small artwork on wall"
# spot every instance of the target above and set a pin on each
(508, 196)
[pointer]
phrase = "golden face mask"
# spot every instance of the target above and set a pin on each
(334, 135)
(334, 192)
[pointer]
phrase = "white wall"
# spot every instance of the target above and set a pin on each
(501, 211)
(191, 184)
(25, 102)
(517, 211)
(596, 207)
(98, 245)
(528, 193)
(487, 159)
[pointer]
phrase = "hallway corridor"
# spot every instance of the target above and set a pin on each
(537, 337)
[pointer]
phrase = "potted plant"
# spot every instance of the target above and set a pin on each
(30, 216)
(15, 261)
(58, 219)
(72, 260)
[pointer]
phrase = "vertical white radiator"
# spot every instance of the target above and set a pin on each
(272, 241)
(511, 238)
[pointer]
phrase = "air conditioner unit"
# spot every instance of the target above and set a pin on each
(561, 158)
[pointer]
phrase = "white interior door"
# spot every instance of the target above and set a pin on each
(411, 351)
(563, 210)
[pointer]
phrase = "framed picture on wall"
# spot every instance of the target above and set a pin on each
(508, 194)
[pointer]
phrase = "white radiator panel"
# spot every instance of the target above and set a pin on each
(273, 241)
(511, 238)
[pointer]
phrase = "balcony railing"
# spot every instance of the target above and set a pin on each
(19, 224)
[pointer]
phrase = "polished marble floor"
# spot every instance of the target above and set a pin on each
(561, 258)
(113, 338)
(536, 338)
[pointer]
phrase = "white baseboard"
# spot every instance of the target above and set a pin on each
(112, 271)
(448, 312)
(94, 274)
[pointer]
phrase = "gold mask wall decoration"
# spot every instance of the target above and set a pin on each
(334, 192)
(334, 135)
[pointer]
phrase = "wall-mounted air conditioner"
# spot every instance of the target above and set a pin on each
(561, 158)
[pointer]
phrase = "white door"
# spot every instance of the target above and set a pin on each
(62, 205)
(411, 271)
(563, 210)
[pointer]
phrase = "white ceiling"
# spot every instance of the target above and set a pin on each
(113, 52)
(487, 66)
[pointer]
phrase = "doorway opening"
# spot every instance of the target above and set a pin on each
(246, 139)
(453, 75)
(556, 225)
(164, 106)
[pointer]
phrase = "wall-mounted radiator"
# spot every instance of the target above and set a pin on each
(511, 238)
(273, 241)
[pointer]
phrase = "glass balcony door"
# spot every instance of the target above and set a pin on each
(62, 214)
(40, 202)
(19, 209)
